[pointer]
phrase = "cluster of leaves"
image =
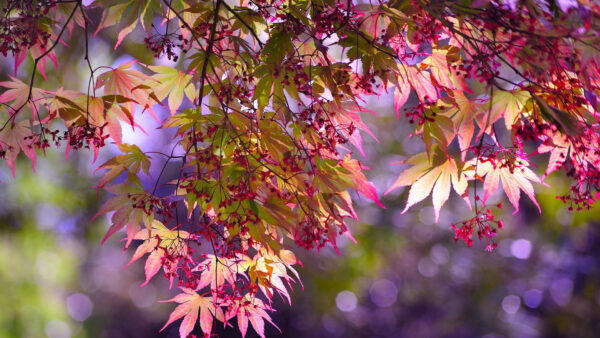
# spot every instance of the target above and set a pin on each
(265, 98)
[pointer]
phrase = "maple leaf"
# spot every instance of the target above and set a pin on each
(566, 123)
(158, 242)
(255, 311)
(439, 62)
(262, 93)
(411, 78)
(563, 147)
(463, 115)
(347, 113)
(361, 184)
(514, 177)
(103, 112)
(63, 103)
(269, 269)
(131, 84)
(14, 139)
(150, 243)
(401, 95)
(215, 271)
(507, 104)
(438, 176)
(17, 94)
(36, 51)
(191, 305)
(420, 82)
(174, 84)
(79, 109)
(153, 265)
(125, 214)
(128, 13)
(111, 16)
(559, 146)
(132, 161)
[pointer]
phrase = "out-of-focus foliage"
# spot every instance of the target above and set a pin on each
(39, 255)
(57, 280)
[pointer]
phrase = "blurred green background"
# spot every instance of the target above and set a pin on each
(406, 277)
